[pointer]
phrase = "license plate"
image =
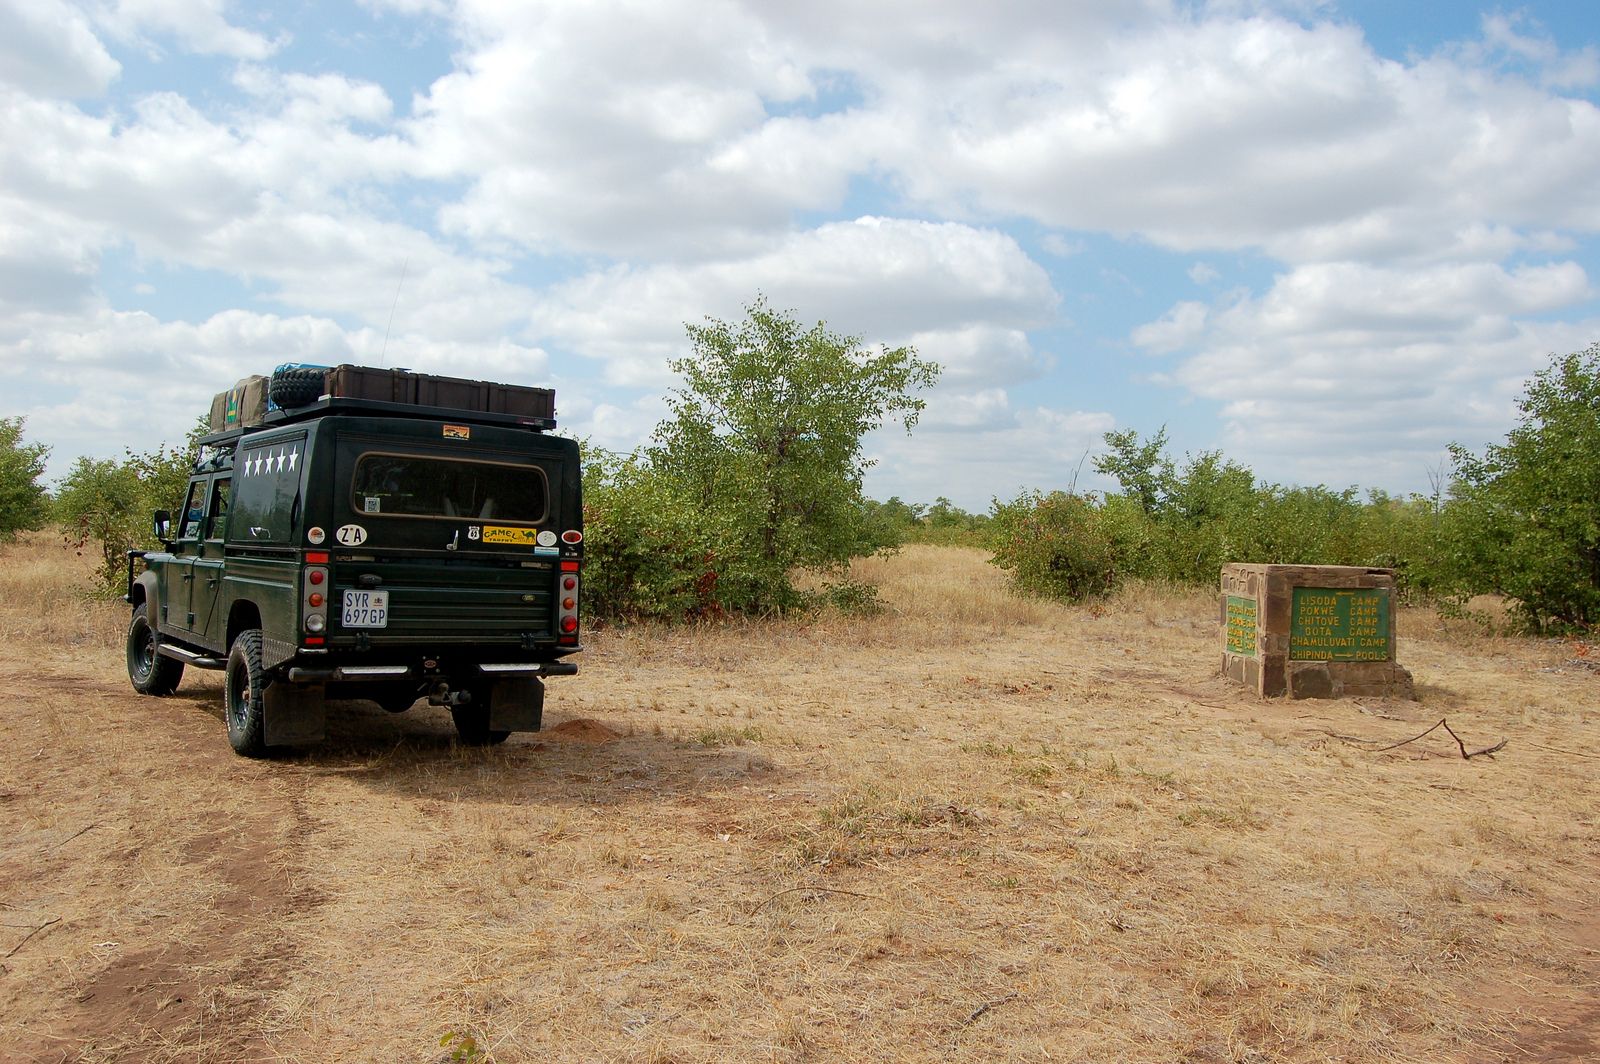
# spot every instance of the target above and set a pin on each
(366, 609)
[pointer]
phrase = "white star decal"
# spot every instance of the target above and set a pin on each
(292, 456)
(281, 459)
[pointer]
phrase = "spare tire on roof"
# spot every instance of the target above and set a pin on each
(297, 386)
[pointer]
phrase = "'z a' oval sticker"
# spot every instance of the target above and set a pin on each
(351, 535)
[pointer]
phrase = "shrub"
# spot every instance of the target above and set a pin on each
(108, 503)
(24, 503)
(1524, 519)
(647, 555)
(1054, 545)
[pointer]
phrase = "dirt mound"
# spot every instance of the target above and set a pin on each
(582, 730)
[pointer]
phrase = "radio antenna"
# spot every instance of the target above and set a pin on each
(384, 354)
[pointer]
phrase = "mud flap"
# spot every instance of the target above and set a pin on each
(293, 713)
(516, 704)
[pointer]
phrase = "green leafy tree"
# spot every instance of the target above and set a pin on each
(97, 504)
(1209, 517)
(946, 514)
(1142, 469)
(648, 555)
(765, 441)
(1524, 519)
(947, 524)
(24, 502)
(1406, 535)
(1055, 545)
(886, 525)
(105, 505)
(1311, 526)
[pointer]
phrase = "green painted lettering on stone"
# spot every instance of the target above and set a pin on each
(1339, 624)
(1242, 626)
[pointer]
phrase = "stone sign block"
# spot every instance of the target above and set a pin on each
(1311, 631)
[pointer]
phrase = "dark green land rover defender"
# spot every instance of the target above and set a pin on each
(370, 534)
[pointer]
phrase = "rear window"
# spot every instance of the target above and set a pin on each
(408, 485)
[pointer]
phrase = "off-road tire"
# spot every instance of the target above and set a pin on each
(296, 387)
(472, 721)
(243, 702)
(150, 672)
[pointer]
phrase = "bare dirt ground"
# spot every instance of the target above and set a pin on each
(972, 828)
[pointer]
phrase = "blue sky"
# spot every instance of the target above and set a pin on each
(1325, 238)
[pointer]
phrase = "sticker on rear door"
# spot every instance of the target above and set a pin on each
(351, 535)
(522, 537)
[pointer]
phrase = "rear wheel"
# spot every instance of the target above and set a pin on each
(151, 672)
(297, 386)
(243, 693)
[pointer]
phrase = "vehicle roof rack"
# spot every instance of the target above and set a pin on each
(378, 408)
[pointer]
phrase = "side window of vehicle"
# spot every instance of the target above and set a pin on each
(269, 474)
(189, 519)
(217, 514)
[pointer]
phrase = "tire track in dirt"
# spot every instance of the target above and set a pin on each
(197, 981)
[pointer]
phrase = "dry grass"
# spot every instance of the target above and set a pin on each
(45, 587)
(974, 827)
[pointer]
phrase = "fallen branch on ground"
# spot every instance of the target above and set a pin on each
(823, 890)
(985, 1007)
(1466, 755)
(74, 835)
(29, 935)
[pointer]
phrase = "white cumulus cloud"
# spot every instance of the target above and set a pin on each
(1390, 362)
(887, 280)
(199, 26)
(48, 47)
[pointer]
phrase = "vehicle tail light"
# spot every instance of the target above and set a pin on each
(567, 611)
(313, 603)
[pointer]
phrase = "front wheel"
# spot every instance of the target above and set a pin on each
(243, 689)
(152, 673)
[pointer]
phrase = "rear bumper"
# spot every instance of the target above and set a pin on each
(390, 673)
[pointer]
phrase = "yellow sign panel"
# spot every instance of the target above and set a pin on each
(458, 432)
(526, 537)
(1241, 625)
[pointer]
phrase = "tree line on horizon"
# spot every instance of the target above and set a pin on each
(756, 476)
(1521, 520)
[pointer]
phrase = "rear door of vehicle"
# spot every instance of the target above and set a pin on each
(437, 536)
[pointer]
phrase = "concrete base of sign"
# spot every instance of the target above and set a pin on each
(1311, 631)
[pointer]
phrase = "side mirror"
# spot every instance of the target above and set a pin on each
(161, 524)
